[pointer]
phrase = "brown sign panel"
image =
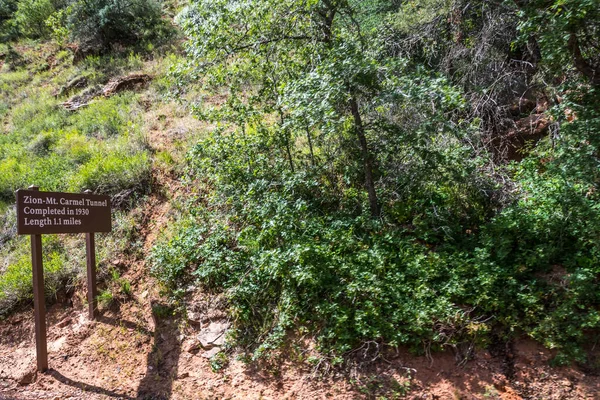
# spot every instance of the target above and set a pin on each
(52, 212)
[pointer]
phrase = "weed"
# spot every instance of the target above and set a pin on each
(218, 361)
(105, 298)
(162, 311)
(491, 393)
(125, 287)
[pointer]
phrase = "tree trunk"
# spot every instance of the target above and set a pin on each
(310, 146)
(580, 62)
(286, 139)
(366, 156)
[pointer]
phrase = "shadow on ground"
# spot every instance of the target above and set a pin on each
(163, 360)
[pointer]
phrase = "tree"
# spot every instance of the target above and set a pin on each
(264, 50)
(568, 33)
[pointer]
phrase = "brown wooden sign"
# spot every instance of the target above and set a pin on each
(50, 212)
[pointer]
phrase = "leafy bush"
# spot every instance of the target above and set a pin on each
(293, 254)
(7, 10)
(285, 264)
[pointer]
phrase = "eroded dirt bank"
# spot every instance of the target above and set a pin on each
(130, 353)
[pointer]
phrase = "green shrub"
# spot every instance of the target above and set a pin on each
(57, 25)
(7, 26)
(445, 265)
(98, 24)
(16, 279)
(12, 177)
(31, 16)
(7, 9)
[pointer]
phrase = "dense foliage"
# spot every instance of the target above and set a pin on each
(371, 180)
(99, 23)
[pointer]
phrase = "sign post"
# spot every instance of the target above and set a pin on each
(54, 212)
(39, 304)
(90, 250)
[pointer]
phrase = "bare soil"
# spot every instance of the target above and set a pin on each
(129, 353)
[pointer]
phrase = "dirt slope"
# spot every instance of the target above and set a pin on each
(128, 354)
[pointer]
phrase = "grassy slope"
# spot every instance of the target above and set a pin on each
(105, 147)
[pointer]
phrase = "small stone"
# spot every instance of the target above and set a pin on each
(191, 347)
(212, 352)
(184, 375)
(213, 335)
(65, 322)
(27, 378)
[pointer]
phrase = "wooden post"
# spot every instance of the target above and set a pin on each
(39, 300)
(90, 248)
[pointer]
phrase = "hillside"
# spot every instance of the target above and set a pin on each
(330, 199)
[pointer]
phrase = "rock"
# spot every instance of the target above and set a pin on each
(65, 322)
(212, 352)
(191, 347)
(28, 377)
(125, 83)
(75, 83)
(193, 319)
(184, 375)
(81, 100)
(213, 335)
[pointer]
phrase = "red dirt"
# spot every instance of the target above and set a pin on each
(128, 353)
